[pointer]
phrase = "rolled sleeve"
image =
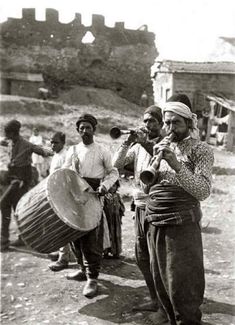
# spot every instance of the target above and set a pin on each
(124, 156)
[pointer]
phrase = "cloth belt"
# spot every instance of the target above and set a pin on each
(93, 182)
(171, 205)
(193, 214)
(23, 173)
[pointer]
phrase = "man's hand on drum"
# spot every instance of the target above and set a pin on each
(102, 190)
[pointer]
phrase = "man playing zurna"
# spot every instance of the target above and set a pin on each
(137, 150)
(93, 162)
(173, 215)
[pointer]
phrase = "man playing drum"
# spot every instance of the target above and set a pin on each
(93, 163)
(19, 175)
(173, 215)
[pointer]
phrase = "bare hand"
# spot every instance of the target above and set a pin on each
(102, 190)
(141, 136)
(169, 155)
(131, 138)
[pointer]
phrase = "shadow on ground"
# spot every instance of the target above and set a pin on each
(116, 303)
(215, 307)
(211, 230)
(123, 267)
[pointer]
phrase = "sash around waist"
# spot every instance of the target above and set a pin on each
(169, 199)
(23, 173)
(93, 182)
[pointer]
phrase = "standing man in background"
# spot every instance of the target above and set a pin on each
(37, 160)
(57, 144)
(19, 177)
(144, 100)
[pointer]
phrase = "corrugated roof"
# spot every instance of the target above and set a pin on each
(195, 67)
(225, 102)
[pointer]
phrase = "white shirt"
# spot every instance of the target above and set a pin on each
(37, 139)
(58, 160)
(94, 161)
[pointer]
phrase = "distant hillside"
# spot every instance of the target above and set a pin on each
(61, 115)
(105, 98)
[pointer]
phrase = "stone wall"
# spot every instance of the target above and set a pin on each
(119, 59)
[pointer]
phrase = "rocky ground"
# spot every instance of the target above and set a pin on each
(32, 294)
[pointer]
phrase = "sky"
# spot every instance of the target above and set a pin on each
(184, 29)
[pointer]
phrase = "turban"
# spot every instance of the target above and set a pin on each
(184, 111)
(87, 118)
(155, 111)
(12, 126)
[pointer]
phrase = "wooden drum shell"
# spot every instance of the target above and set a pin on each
(50, 215)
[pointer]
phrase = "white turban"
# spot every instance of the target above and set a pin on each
(184, 111)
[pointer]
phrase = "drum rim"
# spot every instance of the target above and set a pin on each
(57, 212)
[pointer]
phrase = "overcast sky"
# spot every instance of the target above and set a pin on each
(184, 29)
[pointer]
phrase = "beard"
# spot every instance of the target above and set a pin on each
(152, 134)
(87, 138)
(180, 136)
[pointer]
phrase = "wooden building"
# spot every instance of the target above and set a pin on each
(210, 87)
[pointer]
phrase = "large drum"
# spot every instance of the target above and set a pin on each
(58, 210)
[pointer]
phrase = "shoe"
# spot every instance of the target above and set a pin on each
(53, 256)
(146, 306)
(90, 288)
(18, 242)
(58, 266)
(159, 317)
(77, 276)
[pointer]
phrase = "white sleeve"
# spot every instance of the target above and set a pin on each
(69, 158)
(111, 172)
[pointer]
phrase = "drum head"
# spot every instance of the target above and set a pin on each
(68, 194)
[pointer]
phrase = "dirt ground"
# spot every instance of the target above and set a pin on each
(32, 294)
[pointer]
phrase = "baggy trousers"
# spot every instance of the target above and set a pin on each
(176, 259)
(142, 253)
(88, 251)
(10, 198)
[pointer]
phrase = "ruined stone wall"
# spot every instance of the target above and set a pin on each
(119, 59)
